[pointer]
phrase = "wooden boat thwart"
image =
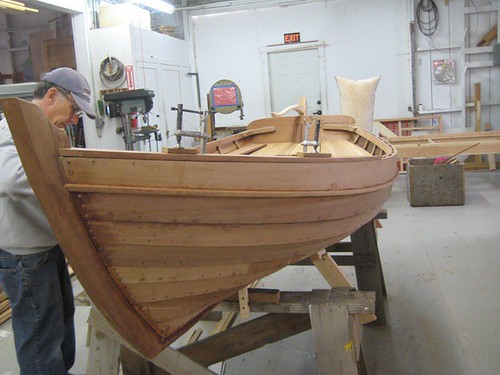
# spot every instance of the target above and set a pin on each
(157, 240)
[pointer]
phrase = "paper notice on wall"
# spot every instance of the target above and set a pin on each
(129, 71)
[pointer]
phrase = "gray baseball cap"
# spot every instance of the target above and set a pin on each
(75, 83)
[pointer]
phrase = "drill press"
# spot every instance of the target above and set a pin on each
(129, 105)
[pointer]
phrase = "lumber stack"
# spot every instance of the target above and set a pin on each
(5, 310)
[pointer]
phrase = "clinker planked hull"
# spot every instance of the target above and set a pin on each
(157, 240)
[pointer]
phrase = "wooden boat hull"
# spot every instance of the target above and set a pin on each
(157, 240)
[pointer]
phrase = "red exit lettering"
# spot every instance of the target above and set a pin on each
(292, 38)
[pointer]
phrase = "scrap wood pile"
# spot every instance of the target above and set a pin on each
(5, 310)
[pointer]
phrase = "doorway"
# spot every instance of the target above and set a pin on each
(295, 72)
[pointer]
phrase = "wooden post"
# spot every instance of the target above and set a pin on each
(370, 276)
(333, 338)
(477, 101)
(244, 307)
(492, 165)
(211, 120)
(104, 354)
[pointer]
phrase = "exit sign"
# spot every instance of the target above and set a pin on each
(292, 38)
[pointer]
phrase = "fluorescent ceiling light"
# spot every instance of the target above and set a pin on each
(16, 5)
(156, 4)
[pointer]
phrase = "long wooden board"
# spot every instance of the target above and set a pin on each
(446, 144)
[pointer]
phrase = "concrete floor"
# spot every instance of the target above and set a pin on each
(441, 267)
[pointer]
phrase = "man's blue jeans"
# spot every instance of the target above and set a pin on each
(40, 293)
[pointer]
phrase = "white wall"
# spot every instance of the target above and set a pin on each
(160, 63)
(458, 30)
(364, 38)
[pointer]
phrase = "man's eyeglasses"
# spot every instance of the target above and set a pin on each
(76, 111)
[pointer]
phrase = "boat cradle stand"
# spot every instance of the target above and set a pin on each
(334, 315)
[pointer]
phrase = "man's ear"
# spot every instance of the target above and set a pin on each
(51, 94)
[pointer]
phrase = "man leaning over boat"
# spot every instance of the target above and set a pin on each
(33, 272)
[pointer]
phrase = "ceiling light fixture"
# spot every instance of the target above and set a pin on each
(156, 4)
(16, 5)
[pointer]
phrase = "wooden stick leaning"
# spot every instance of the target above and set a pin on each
(447, 160)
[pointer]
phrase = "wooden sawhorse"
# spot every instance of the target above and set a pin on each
(332, 315)
(366, 260)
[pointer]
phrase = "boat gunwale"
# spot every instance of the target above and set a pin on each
(153, 156)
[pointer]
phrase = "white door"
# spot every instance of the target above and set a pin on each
(292, 75)
(172, 86)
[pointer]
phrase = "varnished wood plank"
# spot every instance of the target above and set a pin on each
(248, 149)
(180, 235)
(238, 137)
(188, 301)
(278, 149)
(209, 193)
(140, 208)
(136, 274)
(342, 149)
(171, 325)
(152, 256)
(150, 292)
(203, 178)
